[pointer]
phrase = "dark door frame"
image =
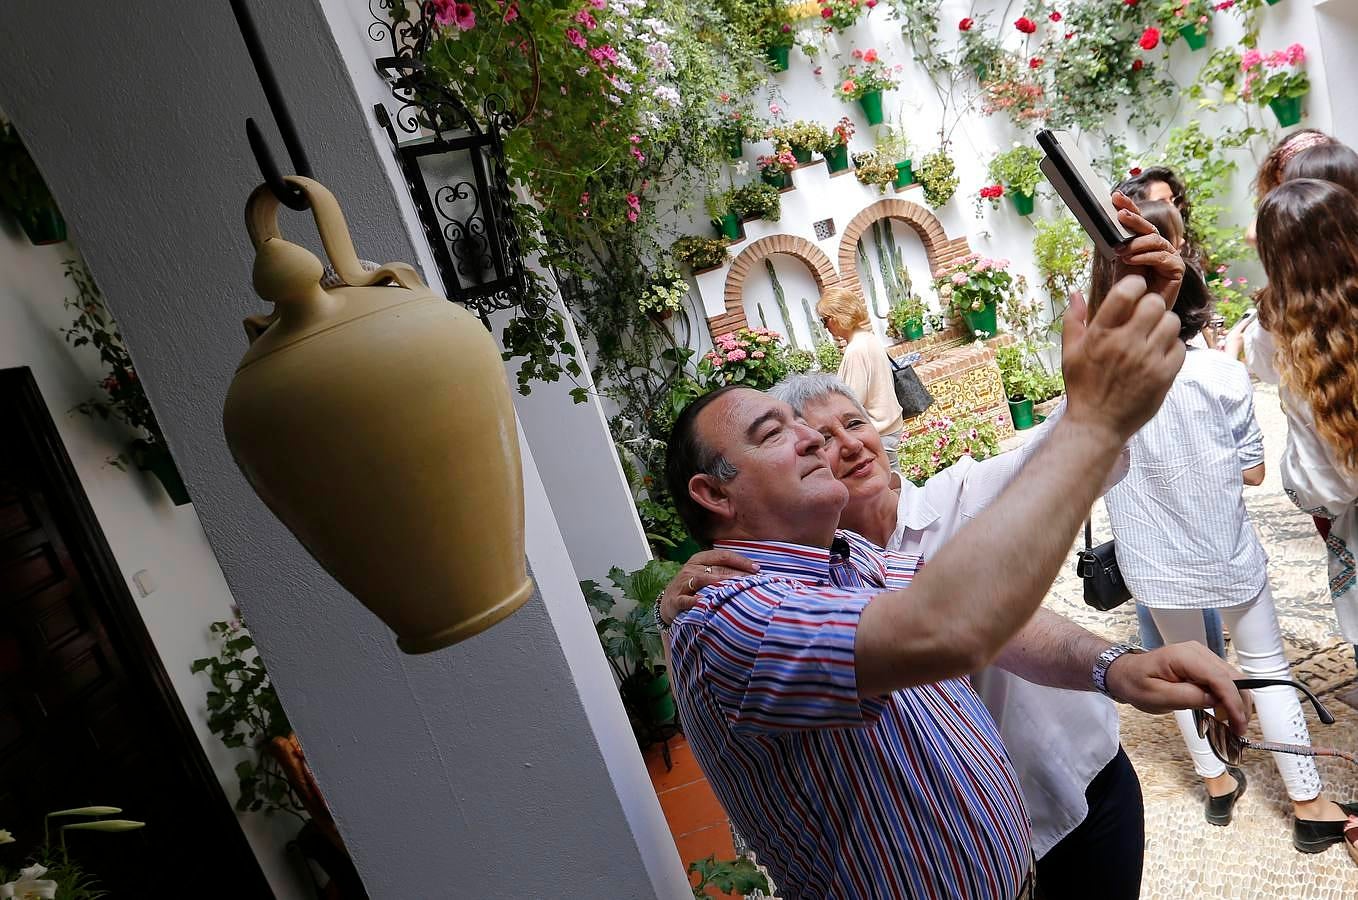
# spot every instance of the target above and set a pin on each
(71, 510)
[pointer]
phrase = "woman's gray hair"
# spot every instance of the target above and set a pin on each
(799, 390)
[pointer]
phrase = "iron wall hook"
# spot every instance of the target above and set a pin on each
(289, 196)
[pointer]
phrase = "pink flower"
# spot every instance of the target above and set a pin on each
(1150, 38)
(1224, 5)
(1250, 58)
(603, 55)
(1296, 54)
(736, 355)
(631, 215)
(870, 56)
(634, 201)
(1025, 25)
(775, 109)
(817, 70)
(599, 4)
(758, 354)
(1241, 282)
(1069, 35)
(573, 36)
(512, 13)
(1276, 60)
(848, 86)
(584, 199)
(1226, 282)
(856, 54)
(585, 19)
(870, 4)
(826, 12)
(464, 16)
(959, 279)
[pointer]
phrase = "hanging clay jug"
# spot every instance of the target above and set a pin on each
(374, 419)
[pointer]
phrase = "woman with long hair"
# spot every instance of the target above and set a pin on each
(1185, 544)
(1307, 343)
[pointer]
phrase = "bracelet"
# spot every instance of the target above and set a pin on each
(660, 623)
(1105, 660)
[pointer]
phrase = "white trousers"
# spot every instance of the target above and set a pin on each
(1258, 644)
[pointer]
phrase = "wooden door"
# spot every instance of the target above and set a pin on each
(87, 714)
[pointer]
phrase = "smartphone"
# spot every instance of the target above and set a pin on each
(1086, 194)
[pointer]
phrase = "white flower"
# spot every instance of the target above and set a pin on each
(667, 94)
(6, 837)
(615, 99)
(30, 885)
(659, 26)
(742, 167)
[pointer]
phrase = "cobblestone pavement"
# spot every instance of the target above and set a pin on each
(1253, 857)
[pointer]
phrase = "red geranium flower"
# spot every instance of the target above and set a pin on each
(1134, 171)
(1055, 16)
(1034, 63)
(1026, 25)
(1150, 38)
(1069, 35)
(965, 24)
(1137, 64)
(826, 12)
(1130, 2)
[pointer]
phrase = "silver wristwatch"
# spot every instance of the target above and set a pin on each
(1100, 673)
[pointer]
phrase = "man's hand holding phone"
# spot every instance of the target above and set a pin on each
(1147, 254)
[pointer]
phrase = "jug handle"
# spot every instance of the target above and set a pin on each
(261, 222)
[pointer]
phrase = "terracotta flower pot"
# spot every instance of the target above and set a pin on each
(354, 415)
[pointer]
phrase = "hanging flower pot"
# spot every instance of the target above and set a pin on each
(778, 57)
(349, 415)
(1272, 2)
(728, 226)
(1196, 39)
(43, 225)
(1021, 411)
(802, 155)
(162, 466)
(837, 158)
(779, 180)
(1022, 202)
(1287, 109)
(735, 144)
(905, 174)
(872, 106)
(982, 321)
(914, 329)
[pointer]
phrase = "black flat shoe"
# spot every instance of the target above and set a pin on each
(1310, 836)
(1220, 809)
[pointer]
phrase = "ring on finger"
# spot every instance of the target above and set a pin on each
(707, 569)
(690, 585)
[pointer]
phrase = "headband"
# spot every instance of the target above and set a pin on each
(1301, 142)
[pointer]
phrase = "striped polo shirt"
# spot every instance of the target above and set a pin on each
(904, 795)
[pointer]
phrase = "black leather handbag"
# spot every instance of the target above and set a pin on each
(911, 393)
(1098, 568)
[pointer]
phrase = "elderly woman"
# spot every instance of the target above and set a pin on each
(865, 367)
(1081, 790)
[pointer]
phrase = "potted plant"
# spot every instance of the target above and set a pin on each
(776, 167)
(775, 27)
(837, 156)
(1026, 383)
(1019, 170)
(734, 877)
(1277, 80)
(905, 319)
(664, 294)
(124, 398)
(871, 168)
(972, 287)
(938, 175)
(632, 644)
(1190, 19)
(829, 355)
(51, 871)
(864, 80)
(752, 357)
(739, 124)
(24, 193)
(699, 253)
(724, 219)
(943, 442)
(841, 14)
(1062, 252)
(756, 201)
(894, 147)
(804, 138)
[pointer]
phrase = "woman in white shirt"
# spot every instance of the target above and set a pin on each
(864, 368)
(1185, 544)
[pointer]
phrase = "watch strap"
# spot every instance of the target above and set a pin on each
(1105, 660)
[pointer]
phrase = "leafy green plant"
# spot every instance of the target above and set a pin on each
(902, 312)
(749, 356)
(867, 73)
(717, 204)
(803, 135)
(943, 442)
(1018, 169)
(973, 283)
(938, 175)
(1276, 76)
(1023, 377)
(1233, 297)
(755, 199)
(244, 711)
(699, 252)
(730, 876)
(1175, 14)
(1062, 252)
(893, 145)
(829, 356)
(664, 529)
(872, 168)
(800, 361)
(841, 14)
(22, 189)
(666, 292)
(1204, 164)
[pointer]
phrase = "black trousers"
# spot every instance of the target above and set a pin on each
(1102, 857)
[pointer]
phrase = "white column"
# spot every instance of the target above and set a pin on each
(502, 767)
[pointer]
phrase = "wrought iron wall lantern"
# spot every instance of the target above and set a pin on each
(453, 163)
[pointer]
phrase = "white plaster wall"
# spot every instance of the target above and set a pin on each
(1001, 233)
(144, 529)
(466, 772)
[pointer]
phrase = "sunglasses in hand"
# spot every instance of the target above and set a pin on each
(1230, 748)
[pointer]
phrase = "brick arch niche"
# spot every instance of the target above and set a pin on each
(938, 247)
(822, 269)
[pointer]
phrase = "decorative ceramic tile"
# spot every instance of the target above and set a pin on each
(824, 228)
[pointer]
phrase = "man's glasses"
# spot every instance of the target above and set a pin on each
(1230, 749)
